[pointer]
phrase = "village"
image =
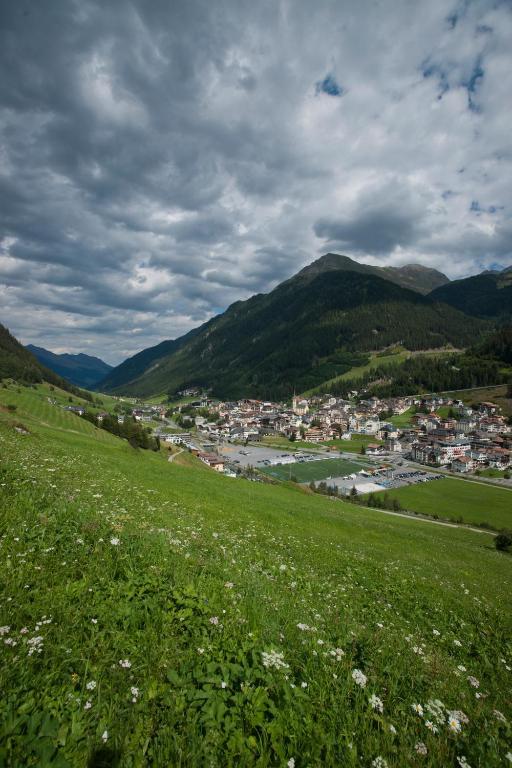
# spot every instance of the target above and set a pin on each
(435, 430)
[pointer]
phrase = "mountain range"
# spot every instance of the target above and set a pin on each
(17, 362)
(317, 325)
(82, 370)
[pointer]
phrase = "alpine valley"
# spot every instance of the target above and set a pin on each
(317, 326)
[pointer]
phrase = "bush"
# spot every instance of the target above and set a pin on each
(11, 407)
(503, 541)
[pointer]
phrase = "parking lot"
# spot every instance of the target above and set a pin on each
(373, 482)
(257, 456)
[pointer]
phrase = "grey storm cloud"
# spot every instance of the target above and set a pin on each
(372, 232)
(160, 160)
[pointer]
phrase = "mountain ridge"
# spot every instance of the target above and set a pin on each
(413, 276)
(487, 295)
(313, 326)
(80, 369)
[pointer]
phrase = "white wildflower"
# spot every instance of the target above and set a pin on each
(463, 762)
(473, 681)
(91, 685)
(359, 678)
(418, 709)
(104, 737)
(379, 762)
(421, 748)
(431, 726)
(273, 659)
(88, 705)
(125, 663)
(35, 645)
(291, 763)
(454, 724)
(376, 703)
(115, 541)
(214, 620)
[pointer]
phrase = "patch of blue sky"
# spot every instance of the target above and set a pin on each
(330, 86)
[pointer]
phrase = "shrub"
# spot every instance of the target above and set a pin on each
(11, 407)
(503, 541)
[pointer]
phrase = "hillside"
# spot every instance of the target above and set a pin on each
(159, 614)
(82, 370)
(311, 328)
(487, 295)
(17, 362)
(136, 365)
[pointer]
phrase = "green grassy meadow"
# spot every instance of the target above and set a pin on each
(355, 444)
(455, 499)
(157, 614)
(306, 471)
(402, 420)
(357, 372)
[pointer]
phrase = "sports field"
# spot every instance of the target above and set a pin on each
(304, 472)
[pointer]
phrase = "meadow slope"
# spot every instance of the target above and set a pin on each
(158, 614)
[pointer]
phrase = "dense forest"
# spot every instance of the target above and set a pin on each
(426, 374)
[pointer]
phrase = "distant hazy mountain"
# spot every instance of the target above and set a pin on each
(82, 370)
(17, 362)
(310, 328)
(143, 361)
(486, 295)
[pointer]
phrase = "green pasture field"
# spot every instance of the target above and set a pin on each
(157, 614)
(306, 471)
(402, 420)
(354, 444)
(357, 372)
(460, 500)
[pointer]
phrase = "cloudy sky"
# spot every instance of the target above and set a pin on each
(160, 159)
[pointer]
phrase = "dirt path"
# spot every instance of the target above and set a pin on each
(434, 522)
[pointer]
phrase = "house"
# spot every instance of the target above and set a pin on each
(374, 450)
(463, 464)
(315, 435)
(175, 438)
(78, 409)
(213, 461)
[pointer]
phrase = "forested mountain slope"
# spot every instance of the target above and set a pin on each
(310, 328)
